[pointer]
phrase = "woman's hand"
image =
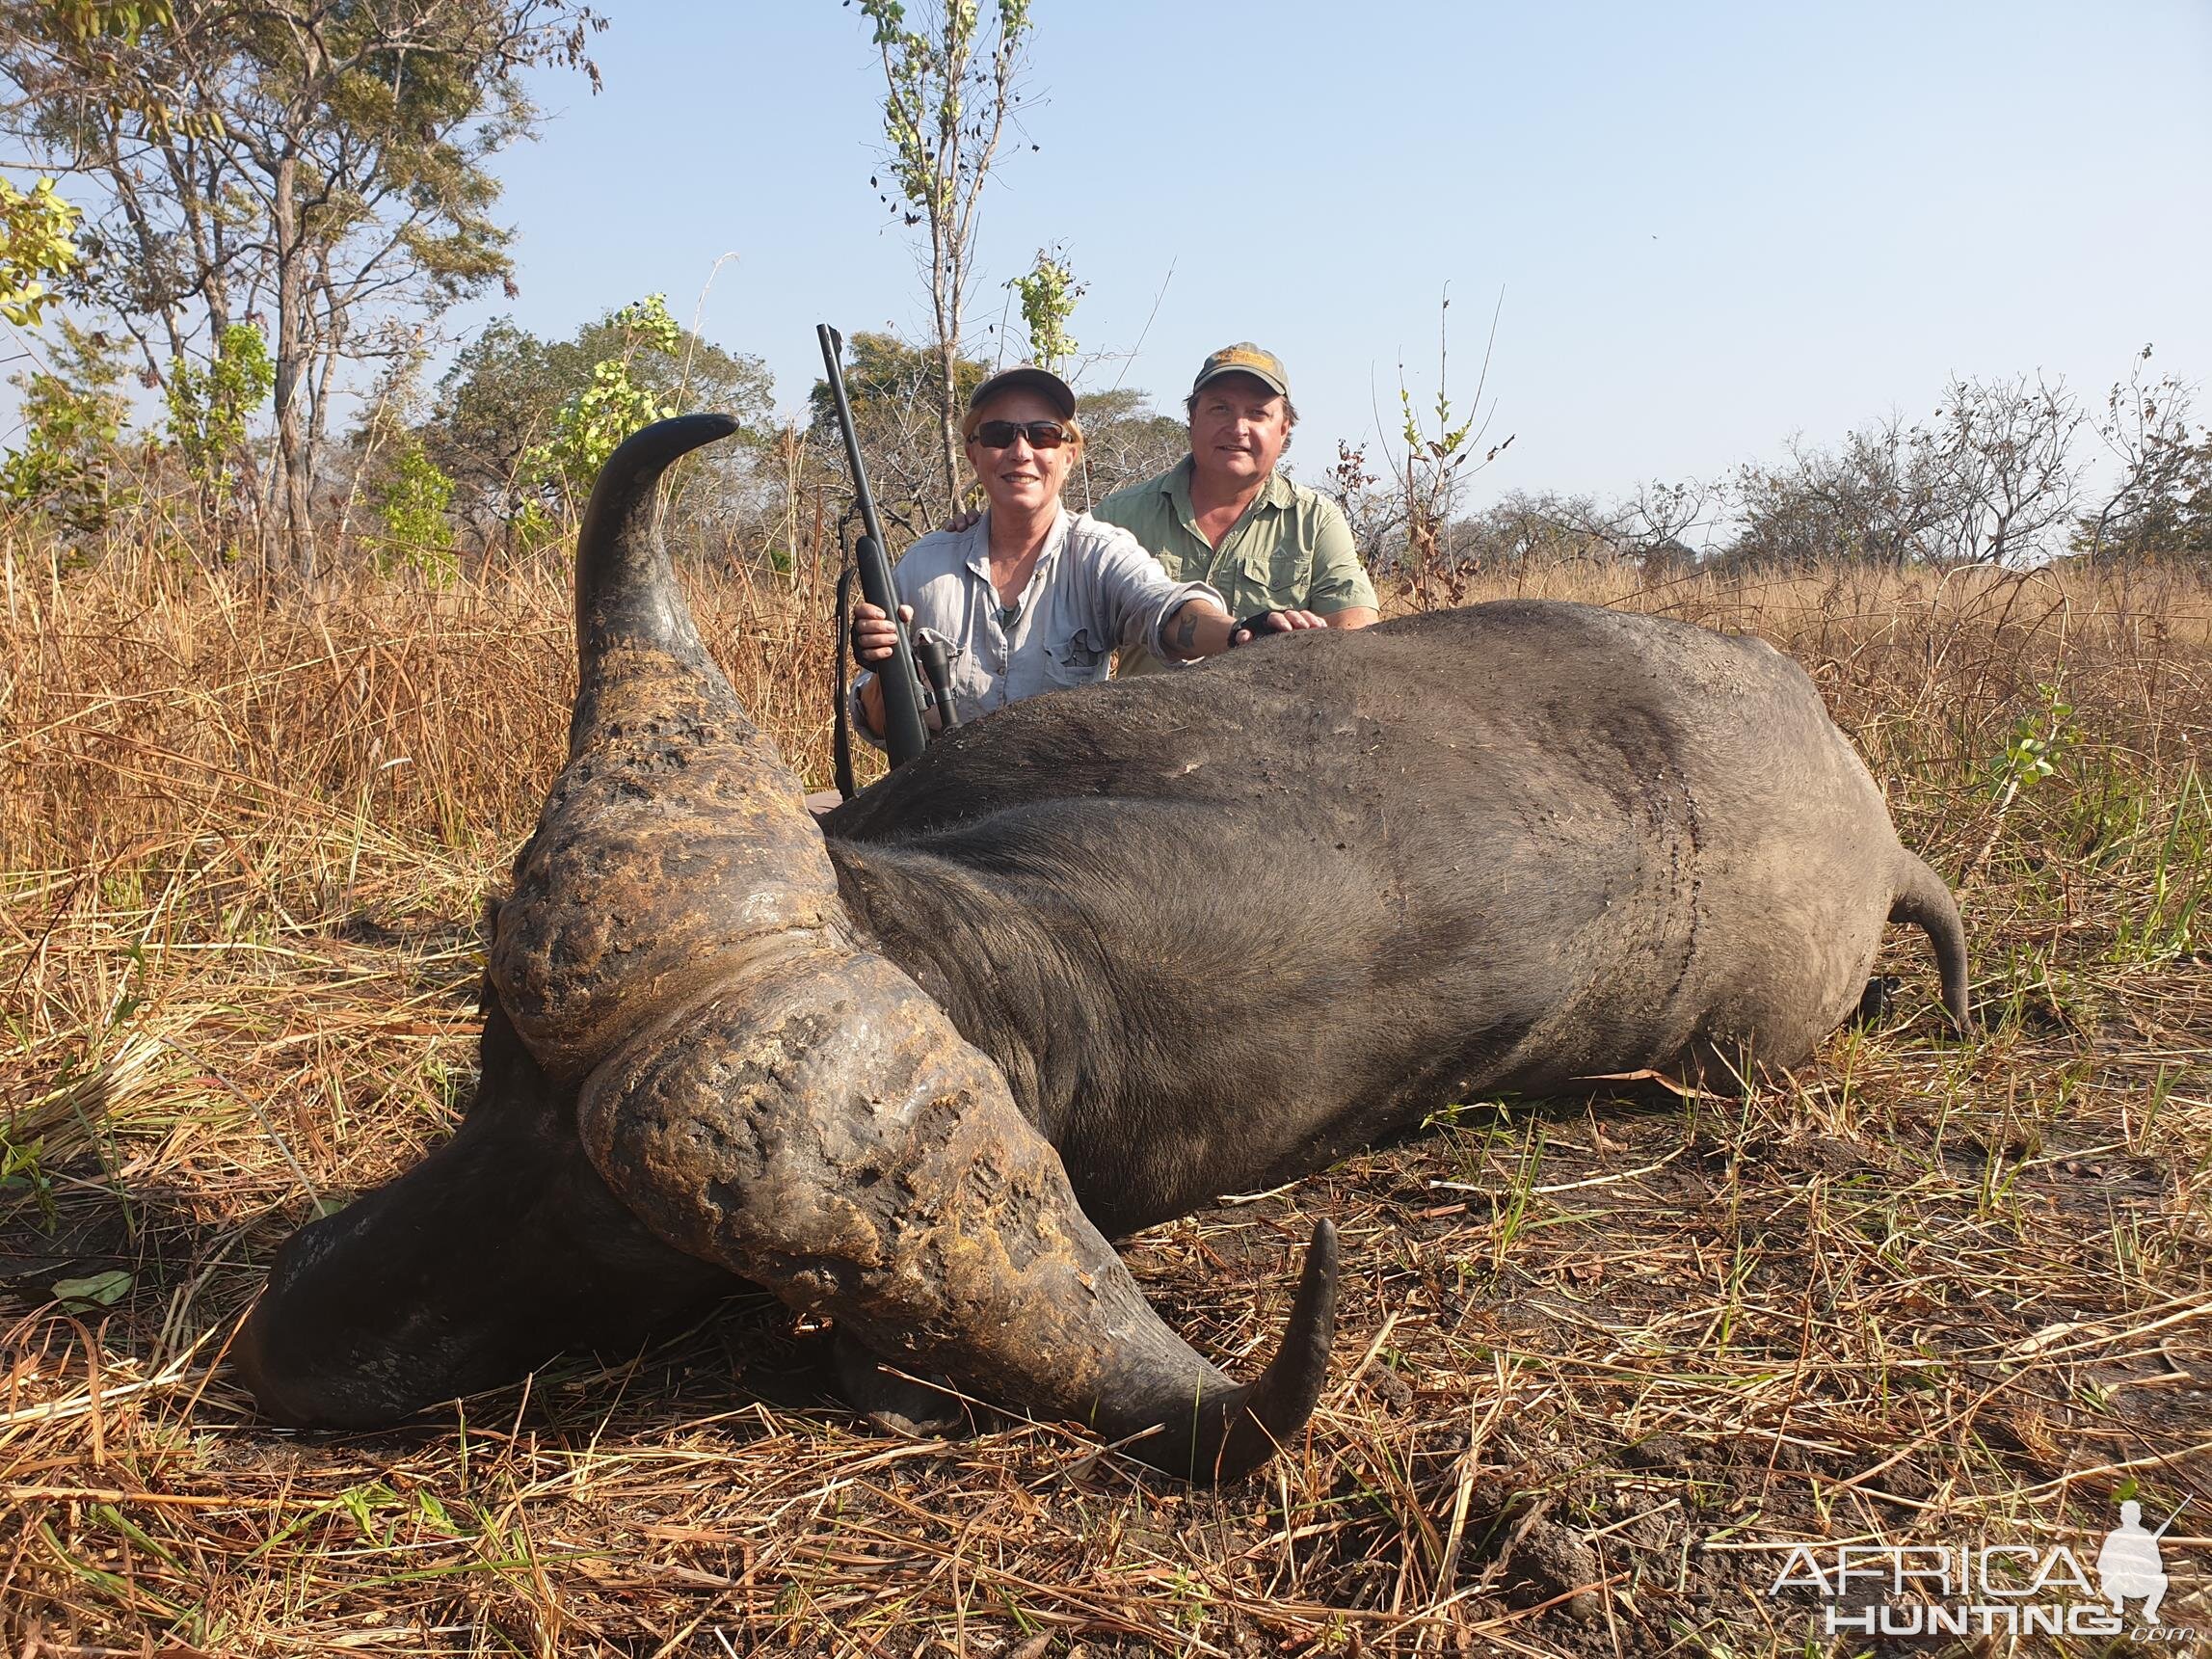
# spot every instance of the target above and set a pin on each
(874, 638)
(874, 635)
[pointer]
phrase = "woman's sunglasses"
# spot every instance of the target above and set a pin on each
(1041, 433)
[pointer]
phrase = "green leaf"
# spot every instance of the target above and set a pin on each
(101, 1290)
(433, 1513)
(38, 239)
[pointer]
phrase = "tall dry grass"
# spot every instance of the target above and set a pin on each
(1592, 1364)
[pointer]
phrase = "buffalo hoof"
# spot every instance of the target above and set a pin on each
(1879, 998)
(897, 1404)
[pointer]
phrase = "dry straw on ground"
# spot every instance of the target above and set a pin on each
(1596, 1362)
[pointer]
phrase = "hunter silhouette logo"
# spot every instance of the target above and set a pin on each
(1968, 1589)
(2128, 1566)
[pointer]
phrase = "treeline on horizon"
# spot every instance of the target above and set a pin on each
(494, 458)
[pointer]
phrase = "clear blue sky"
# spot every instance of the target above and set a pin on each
(1713, 224)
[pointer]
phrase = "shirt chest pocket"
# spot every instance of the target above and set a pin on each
(1278, 574)
(1077, 661)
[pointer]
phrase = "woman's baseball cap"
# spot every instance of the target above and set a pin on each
(1027, 377)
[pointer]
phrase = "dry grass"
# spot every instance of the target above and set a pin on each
(1593, 1361)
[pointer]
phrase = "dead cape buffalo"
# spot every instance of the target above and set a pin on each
(1088, 962)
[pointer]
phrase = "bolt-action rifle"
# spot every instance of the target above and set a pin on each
(903, 734)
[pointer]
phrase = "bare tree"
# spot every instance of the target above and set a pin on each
(1523, 531)
(2146, 429)
(896, 408)
(1991, 479)
(1886, 496)
(1658, 521)
(1126, 441)
(949, 90)
(2007, 448)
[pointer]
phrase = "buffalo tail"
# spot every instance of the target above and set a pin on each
(1923, 901)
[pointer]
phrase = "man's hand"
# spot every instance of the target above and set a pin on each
(1200, 627)
(961, 519)
(1274, 622)
(874, 635)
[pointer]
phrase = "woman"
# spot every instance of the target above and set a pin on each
(1029, 598)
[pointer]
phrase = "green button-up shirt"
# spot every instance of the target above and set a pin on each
(1291, 551)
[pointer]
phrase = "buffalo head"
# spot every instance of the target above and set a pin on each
(695, 1068)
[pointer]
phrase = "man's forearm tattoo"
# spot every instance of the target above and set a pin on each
(1186, 631)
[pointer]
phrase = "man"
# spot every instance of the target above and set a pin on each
(1223, 514)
